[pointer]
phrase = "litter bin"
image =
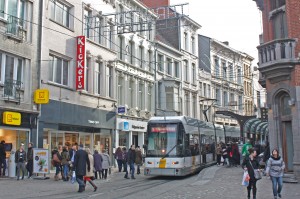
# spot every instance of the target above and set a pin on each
(12, 165)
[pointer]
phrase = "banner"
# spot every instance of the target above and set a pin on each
(80, 62)
(41, 161)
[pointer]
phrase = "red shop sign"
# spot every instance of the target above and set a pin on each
(80, 62)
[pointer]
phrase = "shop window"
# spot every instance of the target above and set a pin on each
(59, 70)
(60, 13)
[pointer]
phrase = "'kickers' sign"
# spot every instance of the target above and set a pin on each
(80, 62)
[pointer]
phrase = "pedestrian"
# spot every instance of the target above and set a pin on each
(235, 155)
(118, 157)
(124, 156)
(65, 163)
(56, 161)
(89, 177)
(275, 168)
(29, 165)
(250, 164)
(266, 154)
(225, 155)
(60, 150)
(98, 164)
(138, 159)
(20, 160)
(81, 165)
(219, 154)
(105, 164)
(2, 158)
(131, 159)
(229, 154)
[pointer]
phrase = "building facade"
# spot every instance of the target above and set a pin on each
(19, 55)
(279, 65)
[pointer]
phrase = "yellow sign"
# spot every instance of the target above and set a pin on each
(11, 118)
(41, 96)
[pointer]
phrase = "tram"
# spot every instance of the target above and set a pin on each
(179, 145)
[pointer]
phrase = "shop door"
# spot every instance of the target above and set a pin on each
(86, 139)
(288, 147)
(135, 140)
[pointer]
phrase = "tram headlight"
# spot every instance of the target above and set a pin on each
(175, 162)
(163, 150)
(150, 162)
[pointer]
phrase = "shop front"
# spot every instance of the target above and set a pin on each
(15, 128)
(130, 132)
(66, 124)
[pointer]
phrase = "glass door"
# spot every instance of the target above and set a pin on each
(86, 140)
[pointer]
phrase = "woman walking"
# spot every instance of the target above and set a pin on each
(65, 163)
(250, 164)
(118, 157)
(105, 164)
(98, 164)
(219, 154)
(275, 168)
(89, 174)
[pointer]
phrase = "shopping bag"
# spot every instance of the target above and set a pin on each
(73, 177)
(222, 159)
(246, 178)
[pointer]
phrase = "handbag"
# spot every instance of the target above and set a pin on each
(257, 172)
(55, 158)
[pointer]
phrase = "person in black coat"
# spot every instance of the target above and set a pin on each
(2, 158)
(249, 164)
(81, 161)
(131, 160)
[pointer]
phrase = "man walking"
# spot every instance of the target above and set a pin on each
(29, 166)
(80, 163)
(20, 160)
(131, 159)
(2, 158)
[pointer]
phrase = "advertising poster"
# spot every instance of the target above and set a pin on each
(40, 161)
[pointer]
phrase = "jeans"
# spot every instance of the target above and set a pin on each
(104, 173)
(131, 165)
(29, 167)
(120, 162)
(277, 185)
(218, 159)
(2, 162)
(20, 166)
(66, 171)
(57, 169)
(80, 181)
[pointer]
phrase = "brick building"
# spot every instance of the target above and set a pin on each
(280, 74)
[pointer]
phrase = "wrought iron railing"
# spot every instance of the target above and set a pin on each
(15, 27)
(281, 50)
(12, 90)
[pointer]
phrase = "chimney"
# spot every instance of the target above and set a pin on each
(226, 43)
(155, 3)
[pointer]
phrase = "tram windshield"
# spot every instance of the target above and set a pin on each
(162, 138)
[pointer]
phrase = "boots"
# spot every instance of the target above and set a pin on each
(81, 189)
(95, 187)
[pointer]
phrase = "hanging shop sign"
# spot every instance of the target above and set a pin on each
(12, 118)
(40, 161)
(41, 96)
(80, 62)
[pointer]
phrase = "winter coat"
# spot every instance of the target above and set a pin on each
(98, 162)
(266, 153)
(246, 164)
(30, 154)
(82, 162)
(90, 173)
(275, 166)
(131, 156)
(18, 155)
(106, 161)
(138, 157)
(58, 155)
(219, 151)
(2, 152)
(245, 148)
(65, 158)
(118, 155)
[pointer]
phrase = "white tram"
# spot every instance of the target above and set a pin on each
(179, 145)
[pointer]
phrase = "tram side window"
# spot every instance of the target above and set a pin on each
(188, 151)
(194, 145)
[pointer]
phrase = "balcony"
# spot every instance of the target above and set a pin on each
(15, 28)
(12, 90)
(277, 58)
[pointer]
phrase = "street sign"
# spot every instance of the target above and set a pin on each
(121, 109)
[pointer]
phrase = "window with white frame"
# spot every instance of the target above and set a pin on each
(193, 73)
(130, 93)
(59, 13)
(169, 98)
(111, 37)
(98, 77)
(239, 75)
(185, 41)
(59, 70)
(141, 56)
(232, 99)
(132, 52)
(225, 98)
(120, 90)
(169, 66)
(200, 89)
(240, 103)
(150, 59)
(87, 23)
(204, 89)
(149, 98)
(11, 69)
(186, 70)
(159, 94)
(141, 99)
(231, 75)
(187, 103)
(208, 91)
(176, 65)
(218, 96)
(193, 45)
(98, 33)
(194, 106)
(121, 46)
(160, 62)
(87, 69)
(217, 67)
(110, 82)
(224, 70)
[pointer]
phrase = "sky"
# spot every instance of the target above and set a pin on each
(235, 21)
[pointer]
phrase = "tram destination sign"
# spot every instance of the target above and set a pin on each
(121, 109)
